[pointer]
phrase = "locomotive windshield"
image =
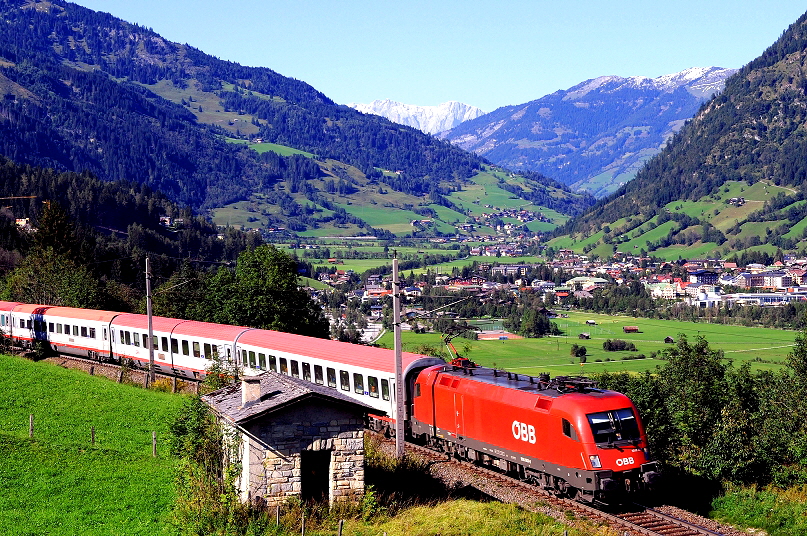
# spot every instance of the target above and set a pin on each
(609, 427)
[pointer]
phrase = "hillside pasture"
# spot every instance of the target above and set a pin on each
(58, 483)
(762, 348)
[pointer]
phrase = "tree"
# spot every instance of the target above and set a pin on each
(51, 278)
(266, 295)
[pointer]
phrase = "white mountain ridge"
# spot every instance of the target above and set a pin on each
(429, 119)
(699, 81)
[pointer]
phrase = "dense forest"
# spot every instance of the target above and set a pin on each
(78, 92)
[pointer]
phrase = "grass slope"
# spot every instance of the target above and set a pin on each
(57, 483)
(763, 348)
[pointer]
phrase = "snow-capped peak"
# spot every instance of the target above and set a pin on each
(701, 81)
(429, 119)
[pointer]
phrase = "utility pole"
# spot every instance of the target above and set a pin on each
(151, 331)
(399, 382)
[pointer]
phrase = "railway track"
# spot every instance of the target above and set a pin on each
(638, 521)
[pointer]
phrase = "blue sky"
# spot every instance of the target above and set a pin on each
(484, 53)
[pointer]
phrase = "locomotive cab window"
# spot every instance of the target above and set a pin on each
(318, 374)
(609, 427)
(568, 430)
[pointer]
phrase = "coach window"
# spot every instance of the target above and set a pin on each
(385, 389)
(59, 328)
(174, 346)
(215, 354)
(197, 352)
(251, 359)
(28, 324)
(207, 351)
(244, 358)
(344, 380)
(83, 331)
(127, 337)
(186, 349)
(273, 363)
(75, 331)
(331, 378)
(372, 386)
(112, 333)
(105, 334)
(22, 323)
(307, 372)
(295, 368)
(318, 374)
(568, 430)
(135, 338)
(284, 366)
(146, 341)
(92, 333)
(50, 326)
(164, 341)
(262, 361)
(358, 384)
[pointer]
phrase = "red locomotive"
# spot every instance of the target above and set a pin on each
(564, 435)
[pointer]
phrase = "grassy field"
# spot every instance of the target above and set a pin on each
(764, 349)
(57, 483)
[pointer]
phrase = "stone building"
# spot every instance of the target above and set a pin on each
(292, 438)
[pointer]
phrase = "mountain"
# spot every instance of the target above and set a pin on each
(84, 91)
(429, 119)
(593, 136)
(733, 179)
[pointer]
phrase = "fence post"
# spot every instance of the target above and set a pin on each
(154, 444)
(92, 370)
(174, 384)
(302, 527)
(31, 426)
(341, 524)
(277, 510)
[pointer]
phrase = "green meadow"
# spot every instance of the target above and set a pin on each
(58, 483)
(763, 348)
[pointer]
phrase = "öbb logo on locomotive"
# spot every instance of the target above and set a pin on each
(524, 432)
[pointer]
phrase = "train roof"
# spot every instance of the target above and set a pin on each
(176, 326)
(158, 323)
(542, 385)
(82, 314)
(8, 305)
(31, 308)
(346, 353)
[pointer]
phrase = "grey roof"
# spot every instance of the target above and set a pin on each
(277, 391)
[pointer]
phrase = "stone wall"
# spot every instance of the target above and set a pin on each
(274, 445)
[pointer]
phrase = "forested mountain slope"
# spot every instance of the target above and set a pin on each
(733, 178)
(595, 135)
(83, 90)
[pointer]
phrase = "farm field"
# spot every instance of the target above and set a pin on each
(763, 348)
(57, 483)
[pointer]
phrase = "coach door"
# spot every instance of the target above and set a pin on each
(459, 416)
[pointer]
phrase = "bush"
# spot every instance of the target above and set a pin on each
(618, 345)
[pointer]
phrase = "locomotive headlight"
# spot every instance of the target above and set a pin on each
(595, 461)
